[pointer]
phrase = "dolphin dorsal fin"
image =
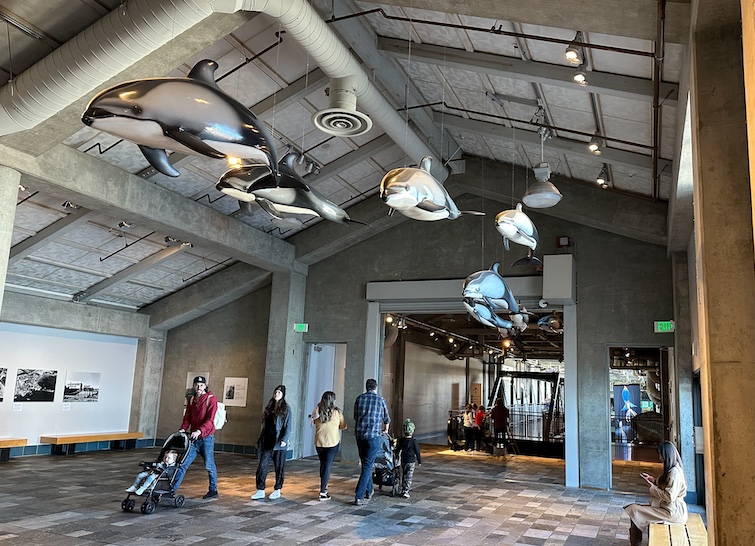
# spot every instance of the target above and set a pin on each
(204, 71)
(426, 163)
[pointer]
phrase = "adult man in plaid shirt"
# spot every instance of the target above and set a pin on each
(371, 417)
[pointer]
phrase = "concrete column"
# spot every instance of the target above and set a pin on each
(145, 401)
(724, 260)
(9, 180)
(683, 371)
(285, 348)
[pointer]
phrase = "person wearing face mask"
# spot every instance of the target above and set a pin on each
(273, 442)
(199, 419)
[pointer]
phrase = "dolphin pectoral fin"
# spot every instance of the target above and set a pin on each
(505, 242)
(472, 212)
(429, 206)
(159, 160)
(193, 142)
(246, 208)
(269, 208)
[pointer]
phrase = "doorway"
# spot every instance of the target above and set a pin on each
(327, 367)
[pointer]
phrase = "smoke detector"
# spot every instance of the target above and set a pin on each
(341, 118)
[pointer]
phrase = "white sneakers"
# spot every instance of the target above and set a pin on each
(275, 494)
(260, 494)
(131, 489)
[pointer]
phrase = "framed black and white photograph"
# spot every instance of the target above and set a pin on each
(234, 391)
(35, 385)
(81, 387)
(3, 378)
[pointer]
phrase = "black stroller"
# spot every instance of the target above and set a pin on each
(387, 468)
(162, 486)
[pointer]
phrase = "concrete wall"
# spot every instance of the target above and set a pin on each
(229, 342)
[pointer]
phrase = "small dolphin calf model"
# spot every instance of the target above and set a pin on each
(516, 226)
(190, 115)
(415, 193)
(289, 196)
(485, 294)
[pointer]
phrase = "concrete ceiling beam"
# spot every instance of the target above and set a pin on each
(615, 17)
(71, 175)
(48, 234)
(205, 296)
(601, 83)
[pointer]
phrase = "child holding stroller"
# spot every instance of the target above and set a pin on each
(408, 449)
(145, 479)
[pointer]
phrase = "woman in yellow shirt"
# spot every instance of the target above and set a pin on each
(328, 421)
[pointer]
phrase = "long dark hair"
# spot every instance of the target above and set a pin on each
(276, 407)
(671, 458)
(326, 406)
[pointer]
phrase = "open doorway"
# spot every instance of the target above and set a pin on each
(637, 406)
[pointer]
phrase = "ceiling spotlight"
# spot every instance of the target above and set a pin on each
(123, 224)
(171, 241)
(388, 319)
(573, 52)
(507, 343)
(602, 178)
(70, 206)
(542, 194)
(450, 340)
(21, 187)
(432, 334)
(596, 143)
(580, 76)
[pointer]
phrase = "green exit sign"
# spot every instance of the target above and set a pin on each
(301, 327)
(663, 326)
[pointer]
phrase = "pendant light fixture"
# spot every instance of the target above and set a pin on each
(542, 194)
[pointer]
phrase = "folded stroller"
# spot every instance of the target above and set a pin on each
(162, 485)
(387, 468)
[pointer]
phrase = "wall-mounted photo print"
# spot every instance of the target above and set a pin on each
(35, 385)
(3, 377)
(82, 387)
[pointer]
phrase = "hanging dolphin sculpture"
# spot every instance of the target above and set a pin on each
(516, 226)
(550, 324)
(485, 293)
(190, 115)
(290, 195)
(415, 193)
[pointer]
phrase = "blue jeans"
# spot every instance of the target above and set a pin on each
(206, 448)
(326, 456)
(368, 450)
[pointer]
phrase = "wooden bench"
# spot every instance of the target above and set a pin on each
(65, 444)
(693, 533)
(7, 443)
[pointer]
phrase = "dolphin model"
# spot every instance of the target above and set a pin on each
(485, 294)
(516, 226)
(415, 193)
(290, 195)
(550, 324)
(190, 115)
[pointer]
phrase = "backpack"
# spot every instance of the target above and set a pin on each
(221, 418)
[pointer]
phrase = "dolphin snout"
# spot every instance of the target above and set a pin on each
(92, 114)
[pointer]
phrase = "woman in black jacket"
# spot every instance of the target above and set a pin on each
(273, 442)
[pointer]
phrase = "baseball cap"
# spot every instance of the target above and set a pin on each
(200, 379)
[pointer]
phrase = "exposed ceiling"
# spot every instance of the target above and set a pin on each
(466, 84)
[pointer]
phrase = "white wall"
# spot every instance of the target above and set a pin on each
(30, 347)
(429, 380)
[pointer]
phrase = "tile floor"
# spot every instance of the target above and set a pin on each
(458, 499)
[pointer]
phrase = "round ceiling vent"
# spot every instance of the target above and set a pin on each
(341, 122)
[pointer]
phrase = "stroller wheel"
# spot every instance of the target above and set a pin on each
(127, 505)
(148, 507)
(179, 501)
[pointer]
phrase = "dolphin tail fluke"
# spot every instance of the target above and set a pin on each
(472, 212)
(529, 259)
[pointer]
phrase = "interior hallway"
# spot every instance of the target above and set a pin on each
(458, 498)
